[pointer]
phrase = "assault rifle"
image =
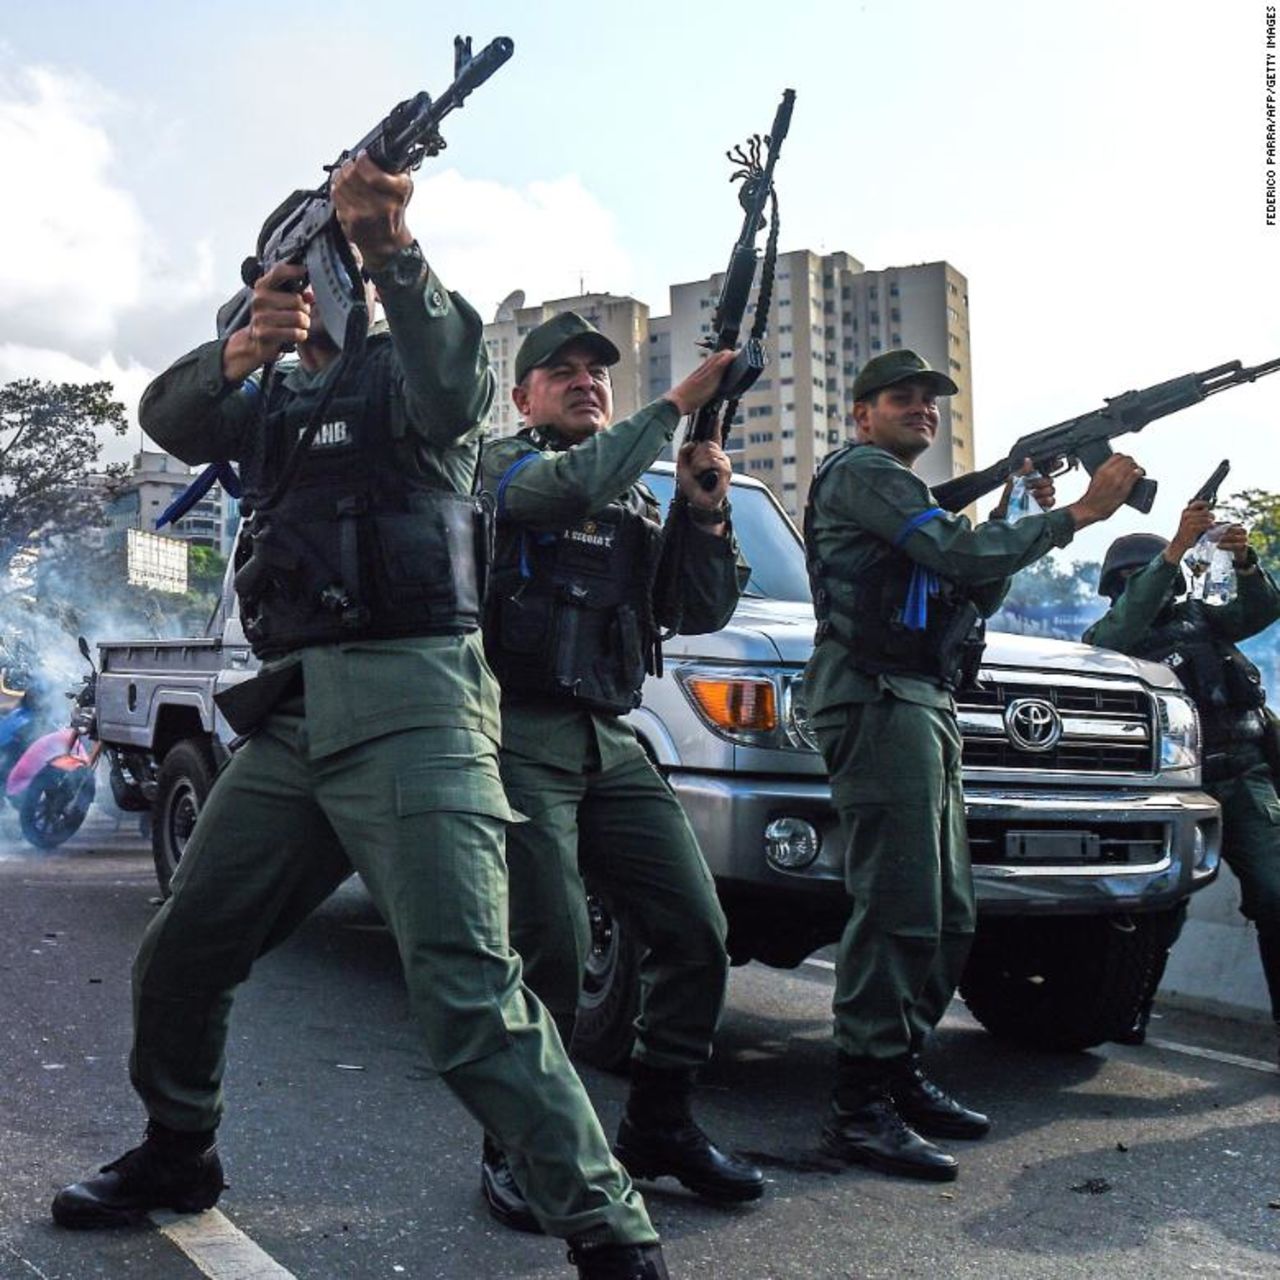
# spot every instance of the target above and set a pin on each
(1208, 492)
(304, 229)
(713, 420)
(1086, 439)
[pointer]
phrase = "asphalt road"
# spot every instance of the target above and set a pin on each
(348, 1161)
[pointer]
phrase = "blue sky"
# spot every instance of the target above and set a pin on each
(1096, 170)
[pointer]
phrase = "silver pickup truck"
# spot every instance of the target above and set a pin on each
(1088, 828)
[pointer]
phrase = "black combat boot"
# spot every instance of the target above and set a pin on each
(658, 1136)
(170, 1170)
(927, 1108)
(864, 1127)
(501, 1193)
(618, 1261)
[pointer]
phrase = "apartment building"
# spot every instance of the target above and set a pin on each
(828, 316)
(624, 320)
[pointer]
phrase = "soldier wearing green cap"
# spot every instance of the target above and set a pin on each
(900, 590)
(372, 734)
(571, 631)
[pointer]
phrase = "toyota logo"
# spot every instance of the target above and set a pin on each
(1033, 724)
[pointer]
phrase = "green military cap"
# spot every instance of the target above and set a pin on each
(897, 366)
(543, 342)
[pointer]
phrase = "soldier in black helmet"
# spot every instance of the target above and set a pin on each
(1148, 618)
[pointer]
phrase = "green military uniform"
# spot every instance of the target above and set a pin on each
(892, 746)
(1237, 771)
(378, 755)
(596, 805)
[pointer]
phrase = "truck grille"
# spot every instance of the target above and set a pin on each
(1070, 726)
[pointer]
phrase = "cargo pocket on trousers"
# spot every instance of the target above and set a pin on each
(453, 919)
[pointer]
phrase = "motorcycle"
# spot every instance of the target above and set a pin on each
(52, 784)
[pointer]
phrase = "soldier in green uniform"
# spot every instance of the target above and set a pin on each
(1142, 578)
(900, 588)
(374, 727)
(571, 631)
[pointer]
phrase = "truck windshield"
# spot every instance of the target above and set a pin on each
(768, 539)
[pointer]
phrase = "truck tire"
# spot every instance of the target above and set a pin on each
(604, 1032)
(1065, 983)
(182, 784)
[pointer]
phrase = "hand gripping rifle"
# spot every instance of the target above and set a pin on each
(713, 420)
(1208, 492)
(1087, 439)
(305, 230)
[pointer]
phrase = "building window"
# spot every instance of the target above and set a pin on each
(893, 289)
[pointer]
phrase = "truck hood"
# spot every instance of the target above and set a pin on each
(770, 631)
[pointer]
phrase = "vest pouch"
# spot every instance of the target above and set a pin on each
(524, 622)
(629, 648)
(426, 560)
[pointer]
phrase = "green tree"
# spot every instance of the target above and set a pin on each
(1259, 511)
(49, 451)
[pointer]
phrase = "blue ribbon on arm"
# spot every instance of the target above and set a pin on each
(924, 582)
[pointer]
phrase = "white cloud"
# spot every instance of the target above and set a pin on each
(73, 238)
(129, 380)
(79, 253)
(486, 239)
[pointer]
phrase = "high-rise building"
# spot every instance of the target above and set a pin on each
(154, 482)
(828, 316)
(623, 320)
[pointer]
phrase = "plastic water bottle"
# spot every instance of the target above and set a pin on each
(1220, 578)
(1021, 503)
(1212, 570)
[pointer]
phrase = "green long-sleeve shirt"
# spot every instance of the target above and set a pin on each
(441, 393)
(867, 501)
(565, 485)
(1125, 625)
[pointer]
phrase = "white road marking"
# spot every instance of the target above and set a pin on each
(219, 1248)
(1169, 1046)
(1216, 1055)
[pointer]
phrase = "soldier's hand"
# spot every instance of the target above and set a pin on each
(1041, 488)
(370, 205)
(691, 462)
(690, 395)
(1197, 519)
(1235, 540)
(1109, 486)
(279, 318)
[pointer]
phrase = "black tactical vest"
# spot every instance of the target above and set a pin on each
(871, 622)
(363, 543)
(570, 612)
(1225, 686)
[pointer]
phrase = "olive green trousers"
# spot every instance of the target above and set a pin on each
(895, 781)
(1251, 848)
(419, 815)
(625, 832)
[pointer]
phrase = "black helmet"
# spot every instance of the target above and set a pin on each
(1133, 551)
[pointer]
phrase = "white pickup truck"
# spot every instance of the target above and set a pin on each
(1087, 824)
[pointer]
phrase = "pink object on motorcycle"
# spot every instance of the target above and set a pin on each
(39, 754)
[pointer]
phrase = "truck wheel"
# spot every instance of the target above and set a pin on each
(604, 1032)
(1064, 983)
(55, 803)
(182, 783)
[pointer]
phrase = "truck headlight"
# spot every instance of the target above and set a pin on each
(1179, 729)
(757, 708)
